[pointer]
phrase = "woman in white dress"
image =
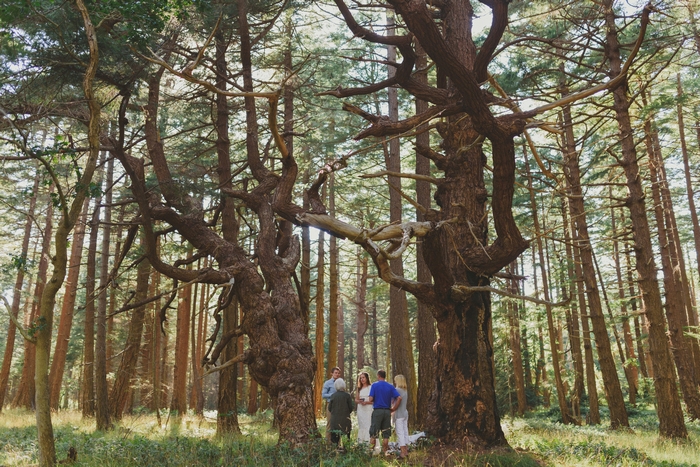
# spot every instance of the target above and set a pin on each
(364, 408)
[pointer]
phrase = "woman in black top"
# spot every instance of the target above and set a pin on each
(340, 406)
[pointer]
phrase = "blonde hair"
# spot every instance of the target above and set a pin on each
(400, 381)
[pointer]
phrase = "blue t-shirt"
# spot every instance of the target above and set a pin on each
(382, 394)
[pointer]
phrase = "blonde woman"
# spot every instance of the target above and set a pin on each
(364, 407)
(401, 415)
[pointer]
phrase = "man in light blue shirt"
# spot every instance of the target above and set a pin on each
(328, 391)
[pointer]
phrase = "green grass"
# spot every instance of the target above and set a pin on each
(139, 441)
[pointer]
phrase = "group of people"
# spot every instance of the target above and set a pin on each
(377, 403)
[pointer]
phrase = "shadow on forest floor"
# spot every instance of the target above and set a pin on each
(138, 441)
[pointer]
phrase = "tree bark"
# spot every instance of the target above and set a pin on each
(611, 383)
(88, 390)
(227, 417)
(101, 390)
(572, 318)
(320, 329)
(675, 304)
(425, 326)
(693, 319)
(671, 423)
(182, 335)
(593, 417)
(126, 373)
(58, 364)
(553, 343)
(333, 289)
(70, 214)
(26, 390)
(17, 295)
(514, 342)
(402, 362)
(631, 364)
(361, 319)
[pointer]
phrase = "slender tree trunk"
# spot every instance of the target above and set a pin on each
(148, 350)
(58, 363)
(630, 368)
(593, 417)
(401, 344)
(333, 288)
(693, 319)
(70, 214)
(197, 402)
(361, 320)
(553, 344)
(671, 423)
(642, 351)
(320, 329)
(126, 373)
(182, 334)
(88, 392)
(375, 334)
(26, 391)
(341, 339)
(675, 306)
(17, 296)
(227, 419)
(514, 341)
(253, 397)
(572, 317)
(611, 383)
(425, 326)
(524, 337)
(102, 410)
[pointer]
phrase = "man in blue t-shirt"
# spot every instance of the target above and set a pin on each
(385, 400)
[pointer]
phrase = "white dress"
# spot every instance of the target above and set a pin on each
(364, 417)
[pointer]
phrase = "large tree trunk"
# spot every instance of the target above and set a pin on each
(17, 295)
(671, 423)
(463, 404)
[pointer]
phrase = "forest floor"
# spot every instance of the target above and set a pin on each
(138, 441)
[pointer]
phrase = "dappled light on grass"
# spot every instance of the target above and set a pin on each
(565, 445)
(138, 441)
